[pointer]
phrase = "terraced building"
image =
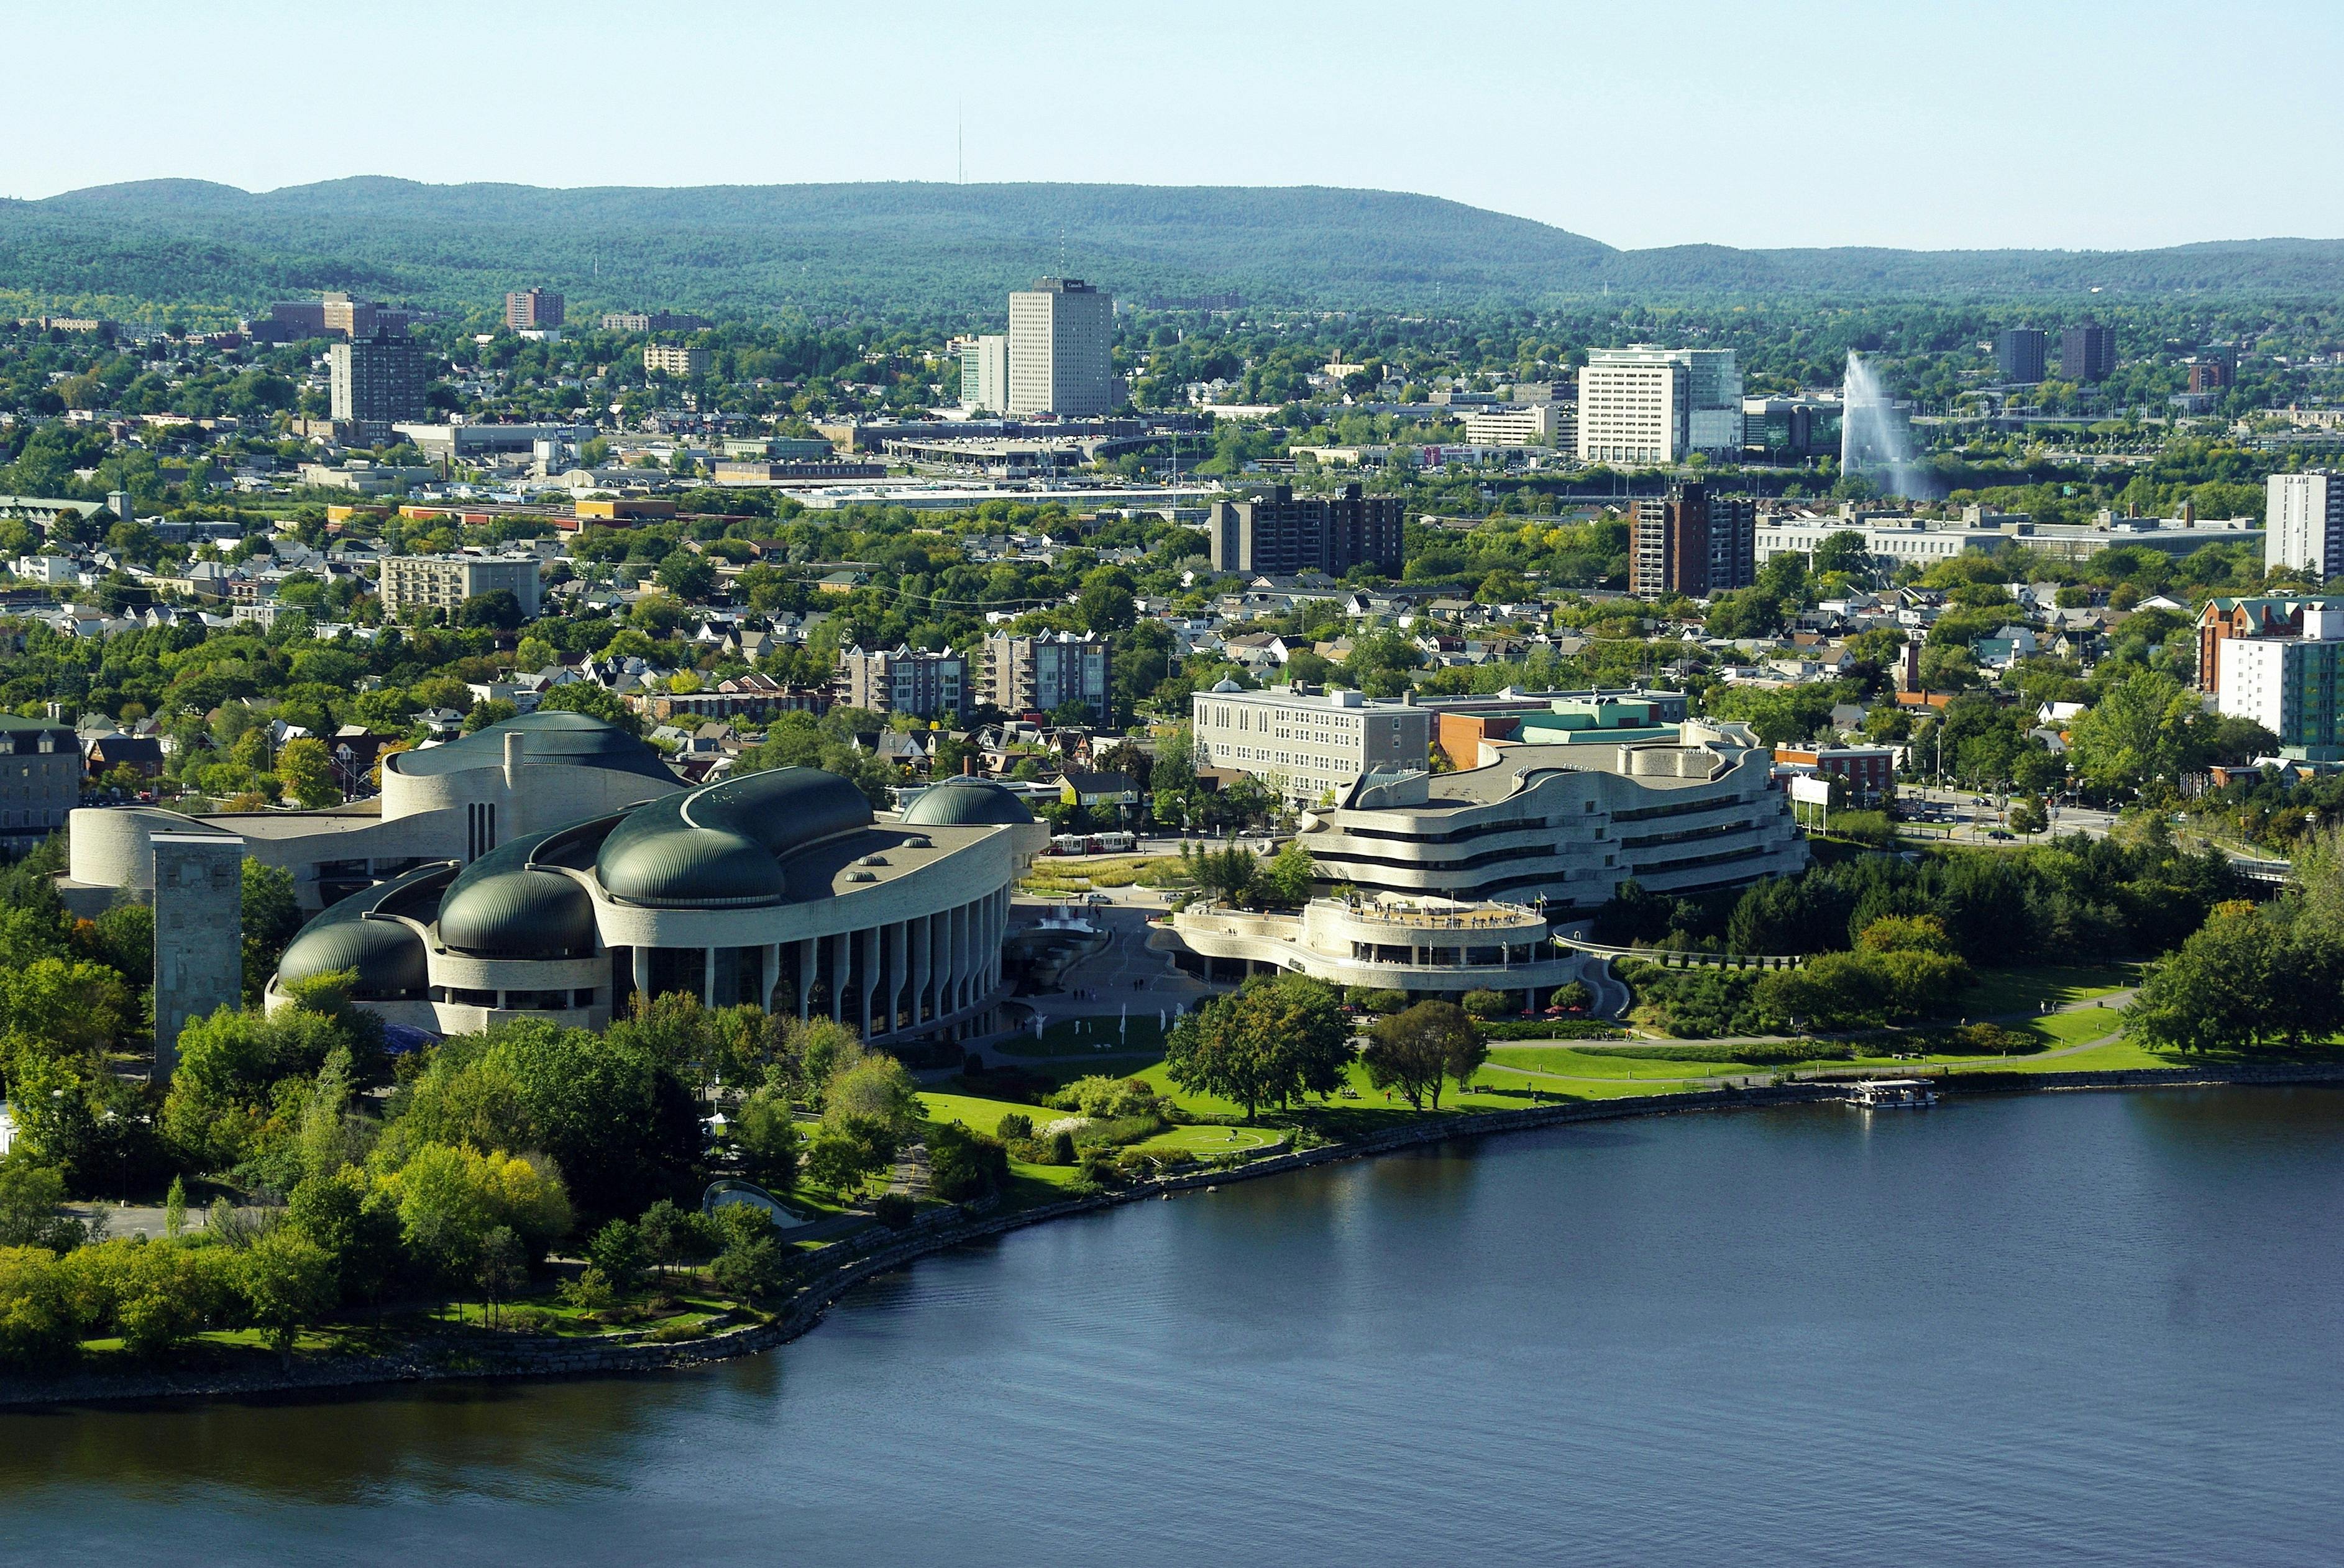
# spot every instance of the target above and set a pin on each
(781, 889)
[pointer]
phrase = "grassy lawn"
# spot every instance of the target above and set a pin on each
(1574, 1063)
(1053, 877)
(984, 1115)
(1101, 1038)
(2025, 991)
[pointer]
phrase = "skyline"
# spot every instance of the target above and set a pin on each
(1493, 112)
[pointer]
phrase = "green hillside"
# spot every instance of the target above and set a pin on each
(950, 250)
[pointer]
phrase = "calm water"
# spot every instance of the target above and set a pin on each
(2087, 1328)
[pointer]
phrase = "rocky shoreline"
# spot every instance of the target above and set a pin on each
(545, 1357)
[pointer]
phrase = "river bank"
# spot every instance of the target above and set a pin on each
(522, 1357)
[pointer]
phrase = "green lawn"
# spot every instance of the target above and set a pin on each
(984, 1115)
(2000, 992)
(1574, 1063)
(1101, 1038)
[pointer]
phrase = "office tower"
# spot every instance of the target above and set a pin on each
(532, 310)
(377, 382)
(2303, 523)
(2087, 353)
(1692, 542)
(2018, 354)
(1646, 405)
(1278, 531)
(1061, 349)
(984, 373)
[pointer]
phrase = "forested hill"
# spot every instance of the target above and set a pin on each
(949, 250)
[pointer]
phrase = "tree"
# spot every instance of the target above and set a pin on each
(30, 1196)
(1572, 996)
(272, 917)
(766, 1131)
(618, 1251)
(1284, 880)
(308, 773)
(686, 575)
(1844, 551)
(2144, 726)
(1274, 1039)
(288, 1281)
(2026, 814)
(1486, 1004)
(498, 609)
(750, 1270)
(2245, 978)
(1417, 1050)
(504, 1269)
(595, 702)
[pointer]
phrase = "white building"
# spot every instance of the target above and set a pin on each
(1061, 349)
(984, 373)
(1306, 742)
(1533, 425)
(445, 582)
(1647, 405)
(2304, 522)
(2288, 684)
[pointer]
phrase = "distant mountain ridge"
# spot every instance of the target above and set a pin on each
(917, 248)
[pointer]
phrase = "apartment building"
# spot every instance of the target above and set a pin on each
(2303, 523)
(1647, 405)
(675, 359)
(1043, 674)
(1061, 348)
(2018, 354)
(445, 582)
(1304, 741)
(40, 780)
(1278, 531)
(2087, 353)
(2225, 622)
(532, 310)
(2288, 684)
(654, 321)
(1692, 542)
(377, 382)
(904, 680)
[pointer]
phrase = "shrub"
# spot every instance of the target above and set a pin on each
(676, 1331)
(894, 1210)
(963, 1164)
(591, 1292)
(1488, 1003)
(1383, 1003)
(1061, 1146)
(1014, 1124)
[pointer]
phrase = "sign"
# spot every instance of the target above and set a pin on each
(1812, 789)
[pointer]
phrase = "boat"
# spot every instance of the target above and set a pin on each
(1890, 1093)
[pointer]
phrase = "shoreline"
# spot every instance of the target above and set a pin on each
(544, 1358)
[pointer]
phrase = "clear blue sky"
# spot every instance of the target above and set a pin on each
(2058, 123)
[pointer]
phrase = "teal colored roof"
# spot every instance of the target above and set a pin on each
(961, 803)
(358, 933)
(557, 737)
(721, 844)
(505, 905)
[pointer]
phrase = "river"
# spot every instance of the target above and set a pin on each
(2094, 1328)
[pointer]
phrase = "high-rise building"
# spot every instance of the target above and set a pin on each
(1279, 531)
(1692, 542)
(2303, 523)
(2289, 685)
(1646, 405)
(904, 680)
(1043, 674)
(2087, 353)
(2213, 369)
(984, 373)
(377, 382)
(675, 359)
(654, 321)
(532, 310)
(2018, 354)
(1061, 349)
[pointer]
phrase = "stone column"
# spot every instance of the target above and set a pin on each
(707, 977)
(898, 946)
(769, 972)
(805, 973)
(642, 957)
(841, 966)
(870, 941)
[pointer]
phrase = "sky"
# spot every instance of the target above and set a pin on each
(2066, 124)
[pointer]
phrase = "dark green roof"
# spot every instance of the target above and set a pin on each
(506, 906)
(721, 843)
(961, 803)
(358, 933)
(557, 737)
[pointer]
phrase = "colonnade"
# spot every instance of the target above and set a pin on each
(899, 977)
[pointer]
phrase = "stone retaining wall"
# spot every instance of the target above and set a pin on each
(546, 1357)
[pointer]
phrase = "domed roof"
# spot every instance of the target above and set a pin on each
(359, 934)
(721, 844)
(506, 906)
(575, 739)
(961, 802)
